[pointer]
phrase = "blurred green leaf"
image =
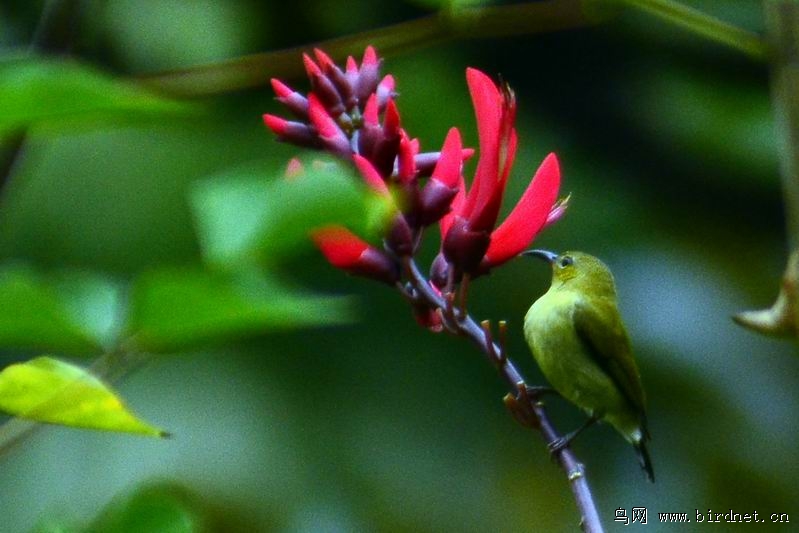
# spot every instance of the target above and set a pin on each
(242, 216)
(180, 308)
(69, 311)
(707, 119)
(165, 508)
(52, 391)
(36, 91)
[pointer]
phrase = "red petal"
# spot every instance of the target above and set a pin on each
(487, 103)
(528, 217)
(341, 247)
(370, 175)
(448, 168)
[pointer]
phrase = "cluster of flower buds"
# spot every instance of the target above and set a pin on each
(352, 114)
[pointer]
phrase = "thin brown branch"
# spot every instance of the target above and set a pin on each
(480, 336)
(460, 23)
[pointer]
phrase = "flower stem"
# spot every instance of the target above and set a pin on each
(466, 326)
(705, 25)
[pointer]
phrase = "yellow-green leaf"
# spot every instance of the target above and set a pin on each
(52, 391)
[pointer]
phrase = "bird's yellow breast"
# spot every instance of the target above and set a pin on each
(563, 356)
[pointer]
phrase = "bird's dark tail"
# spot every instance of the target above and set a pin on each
(644, 459)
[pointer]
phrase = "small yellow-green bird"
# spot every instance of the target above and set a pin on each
(577, 337)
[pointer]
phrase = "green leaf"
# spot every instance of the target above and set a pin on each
(241, 216)
(180, 308)
(52, 391)
(36, 91)
(69, 311)
(163, 507)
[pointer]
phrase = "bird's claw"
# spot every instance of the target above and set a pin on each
(536, 391)
(557, 445)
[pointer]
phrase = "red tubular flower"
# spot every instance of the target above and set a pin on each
(470, 241)
(345, 250)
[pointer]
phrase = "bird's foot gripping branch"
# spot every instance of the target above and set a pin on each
(351, 113)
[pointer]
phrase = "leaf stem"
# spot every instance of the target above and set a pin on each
(466, 326)
(704, 25)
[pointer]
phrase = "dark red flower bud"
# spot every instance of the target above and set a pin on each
(346, 251)
(400, 236)
(384, 152)
(465, 247)
(439, 272)
(434, 202)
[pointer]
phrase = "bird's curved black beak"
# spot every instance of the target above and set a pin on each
(546, 255)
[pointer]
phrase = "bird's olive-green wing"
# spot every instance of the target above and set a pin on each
(599, 326)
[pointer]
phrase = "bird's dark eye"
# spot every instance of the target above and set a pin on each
(565, 261)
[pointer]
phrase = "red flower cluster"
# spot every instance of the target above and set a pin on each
(352, 113)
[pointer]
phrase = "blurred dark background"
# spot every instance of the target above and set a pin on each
(667, 145)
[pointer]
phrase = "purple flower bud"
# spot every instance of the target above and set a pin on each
(368, 74)
(328, 95)
(385, 91)
(464, 247)
(340, 81)
(292, 132)
(434, 201)
(439, 272)
(400, 236)
(294, 101)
